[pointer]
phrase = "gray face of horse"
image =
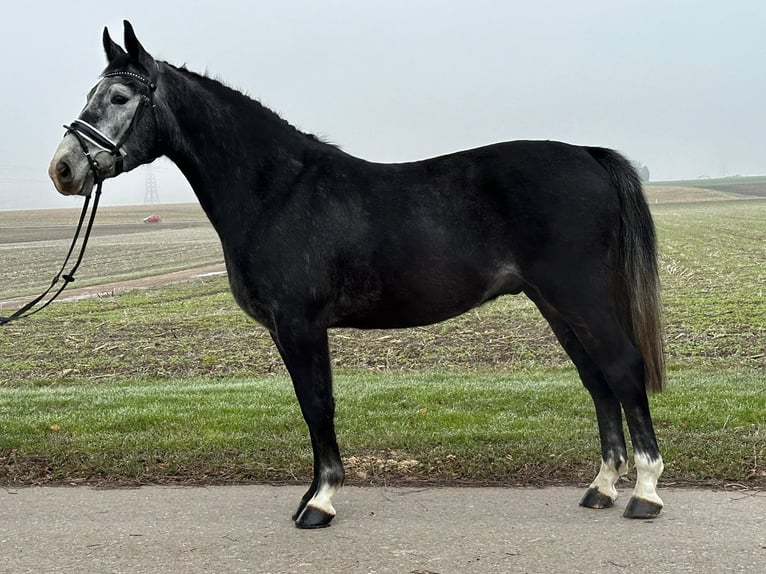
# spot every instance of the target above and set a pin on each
(113, 111)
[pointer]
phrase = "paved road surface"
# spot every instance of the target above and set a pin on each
(378, 530)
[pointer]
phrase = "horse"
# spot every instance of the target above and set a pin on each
(315, 238)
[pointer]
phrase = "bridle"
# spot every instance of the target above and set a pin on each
(84, 133)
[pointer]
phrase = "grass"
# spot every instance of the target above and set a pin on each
(714, 274)
(434, 427)
(175, 384)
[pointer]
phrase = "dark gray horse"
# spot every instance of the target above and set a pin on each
(315, 238)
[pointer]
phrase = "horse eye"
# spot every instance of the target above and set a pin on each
(119, 100)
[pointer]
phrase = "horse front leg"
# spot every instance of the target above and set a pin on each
(306, 355)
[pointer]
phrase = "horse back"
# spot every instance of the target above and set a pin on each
(396, 245)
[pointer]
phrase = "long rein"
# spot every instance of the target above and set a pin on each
(85, 132)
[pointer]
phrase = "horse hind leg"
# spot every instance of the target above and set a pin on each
(602, 492)
(624, 374)
(623, 369)
(612, 369)
(645, 502)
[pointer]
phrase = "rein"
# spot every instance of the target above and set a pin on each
(29, 309)
(85, 132)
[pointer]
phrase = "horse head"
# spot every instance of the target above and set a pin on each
(113, 133)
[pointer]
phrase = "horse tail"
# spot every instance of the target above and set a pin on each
(638, 284)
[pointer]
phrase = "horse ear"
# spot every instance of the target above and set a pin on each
(110, 47)
(135, 49)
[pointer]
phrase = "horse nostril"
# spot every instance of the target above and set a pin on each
(63, 170)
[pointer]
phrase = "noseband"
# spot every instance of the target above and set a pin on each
(83, 131)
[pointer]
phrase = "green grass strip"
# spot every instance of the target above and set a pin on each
(471, 428)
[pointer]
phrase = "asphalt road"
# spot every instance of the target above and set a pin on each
(377, 530)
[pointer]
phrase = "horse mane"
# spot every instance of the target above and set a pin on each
(241, 99)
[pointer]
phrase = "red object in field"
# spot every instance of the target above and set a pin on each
(153, 219)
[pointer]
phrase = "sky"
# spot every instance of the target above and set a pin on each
(679, 86)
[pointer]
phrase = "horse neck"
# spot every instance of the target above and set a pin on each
(231, 149)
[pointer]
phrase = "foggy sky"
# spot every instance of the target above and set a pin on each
(676, 85)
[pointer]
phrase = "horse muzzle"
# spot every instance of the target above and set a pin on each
(71, 171)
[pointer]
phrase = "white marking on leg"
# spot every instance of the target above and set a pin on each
(322, 500)
(607, 477)
(648, 471)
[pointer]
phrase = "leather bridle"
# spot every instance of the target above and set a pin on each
(84, 133)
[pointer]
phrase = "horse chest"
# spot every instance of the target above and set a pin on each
(252, 295)
(273, 287)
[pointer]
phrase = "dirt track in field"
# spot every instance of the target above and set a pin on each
(61, 226)
(118, 287)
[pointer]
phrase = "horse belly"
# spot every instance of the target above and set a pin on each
(426, 298)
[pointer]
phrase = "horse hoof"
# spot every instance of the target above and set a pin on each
(313, 518)
(640, 508)
(593, 498)
(299, 510)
